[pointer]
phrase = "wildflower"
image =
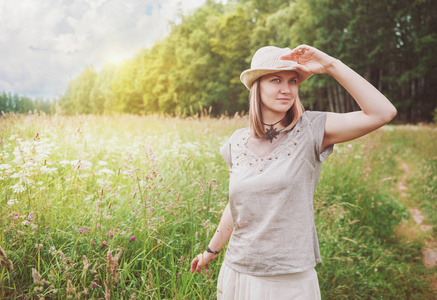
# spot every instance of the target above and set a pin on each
(80, 230)
(132, 238)
(104, 243)
(105, 171)
(34, 228)
(98, 225)
(110, 233)
(30, 217)
(16, 216)
(154, 219)
(18, 188)
(85, 263)
(36, 276)
(123, 232)
(92, 243)
(47, 227)
(117, 229)
(3, 254)
(12, 201)
(93, 285)
(20, 232)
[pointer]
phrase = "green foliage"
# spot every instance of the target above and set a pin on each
(73, 195)
(22, 104)
(199, 63)
(435, 115)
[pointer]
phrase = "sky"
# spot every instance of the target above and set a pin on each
(46, 43)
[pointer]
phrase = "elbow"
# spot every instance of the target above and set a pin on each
(389, 115)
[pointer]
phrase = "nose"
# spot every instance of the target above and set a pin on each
(285, 89)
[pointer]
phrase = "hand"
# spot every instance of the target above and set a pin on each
(201, 260)
(310, 59)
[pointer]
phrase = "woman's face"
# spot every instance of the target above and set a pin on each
(278, 93)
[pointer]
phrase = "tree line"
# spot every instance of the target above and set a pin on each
(22, 104)
(197, 66)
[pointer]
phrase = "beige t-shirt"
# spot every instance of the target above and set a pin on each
(271, 200)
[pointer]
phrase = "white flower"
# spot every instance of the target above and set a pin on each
(102, 163)
(65, 162)
(105, 171)
(18, 188)
(47, 170)
(82, 165)
(12, 201)
(5, 166)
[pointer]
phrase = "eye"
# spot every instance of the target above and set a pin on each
(275, 80)
(293, 81)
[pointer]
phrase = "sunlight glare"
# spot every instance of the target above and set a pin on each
(116, 58)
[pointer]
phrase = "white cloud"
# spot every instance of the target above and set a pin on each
(46, 43)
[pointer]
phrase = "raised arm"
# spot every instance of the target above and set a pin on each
(220, 238)
(376, 109)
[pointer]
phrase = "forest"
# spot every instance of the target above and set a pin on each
(196, 68)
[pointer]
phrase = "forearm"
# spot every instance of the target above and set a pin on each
(371, 101)
(223, 232)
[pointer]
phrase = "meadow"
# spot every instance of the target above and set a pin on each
(115, 207)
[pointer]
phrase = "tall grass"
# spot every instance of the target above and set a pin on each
(116, 207)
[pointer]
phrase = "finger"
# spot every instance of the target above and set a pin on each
(301, 49)
(302, 68)
(206, 268)
(199, 267)
(296, 53)
(194, 264)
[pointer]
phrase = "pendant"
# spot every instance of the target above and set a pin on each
(272, 133)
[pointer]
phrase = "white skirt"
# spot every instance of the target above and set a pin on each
(233, 285)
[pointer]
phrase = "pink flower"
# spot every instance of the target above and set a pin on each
(16, 216)
(20, 232)
(93, 285)
(34, 228)
(104, 243)
(154, 219)
(80, 230)
(117, 229)
(132, 238)
(92, 243)
(98, 225)
(30, 217)
(47, 227)
(110, 233)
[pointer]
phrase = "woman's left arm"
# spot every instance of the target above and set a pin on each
(376, 109)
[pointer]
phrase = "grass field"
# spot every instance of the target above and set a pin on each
(116, 207)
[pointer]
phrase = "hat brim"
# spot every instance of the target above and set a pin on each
(249, 76)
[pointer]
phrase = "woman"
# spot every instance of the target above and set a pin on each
(274, 170)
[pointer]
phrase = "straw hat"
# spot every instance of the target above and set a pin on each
(268, 60)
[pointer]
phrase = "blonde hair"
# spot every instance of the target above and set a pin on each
(255, 115)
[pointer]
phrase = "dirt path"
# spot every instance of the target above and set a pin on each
(429, 253)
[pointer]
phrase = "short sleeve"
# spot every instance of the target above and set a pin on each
(317, 124)
(225, 151)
